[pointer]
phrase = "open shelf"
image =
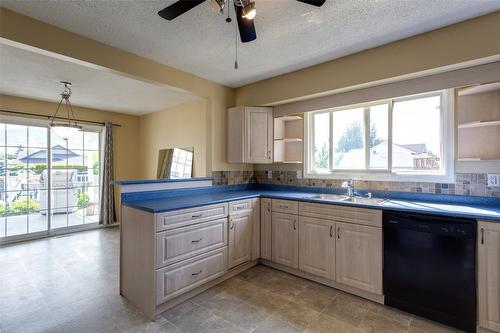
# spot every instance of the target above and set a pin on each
(479, 123)
(288, 139)
(289, 118)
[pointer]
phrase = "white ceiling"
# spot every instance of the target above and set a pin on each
(28, 74)
(291, 34)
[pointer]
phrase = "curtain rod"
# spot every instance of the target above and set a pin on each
(50, 117)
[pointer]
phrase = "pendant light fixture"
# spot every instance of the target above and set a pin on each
(65, 128)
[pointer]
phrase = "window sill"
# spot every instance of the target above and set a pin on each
(382, 176)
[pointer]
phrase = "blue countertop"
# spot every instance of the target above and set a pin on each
(190, 198)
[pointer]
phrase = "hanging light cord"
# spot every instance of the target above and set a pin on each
(235, 43)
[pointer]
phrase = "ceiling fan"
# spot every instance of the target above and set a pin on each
(245, 12)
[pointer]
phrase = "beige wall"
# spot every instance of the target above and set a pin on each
(126, 137)
(38, 36)
(180, 126)
(463, 42)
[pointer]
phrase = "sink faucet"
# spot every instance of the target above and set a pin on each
(349, 184)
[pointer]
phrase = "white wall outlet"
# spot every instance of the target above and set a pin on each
(269, 174)
(299, 174)
(493, 179)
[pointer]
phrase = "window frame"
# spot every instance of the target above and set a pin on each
(447, 149)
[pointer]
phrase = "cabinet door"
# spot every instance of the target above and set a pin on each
(317, 247)
(265, 229)
(258, 135)
(359, 256)
(240, 238)
(285, 239)
(489, 275)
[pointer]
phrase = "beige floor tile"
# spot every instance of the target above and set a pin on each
(244, 316)
(219, 302)
(274, 325)
(243, 290)
(326, 324)
(373, 323)
(346, 308)
(285, 287)
(422, 325)
(267, 301)
(297, 315)
(312, 300)
(388, 312)
(323, 290)
(194, 320)
(179, 310)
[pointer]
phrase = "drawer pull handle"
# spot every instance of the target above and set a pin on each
(338, 232)
(283, 206)
(196, 241)
(240, 207)
(197, 273)
(196, 215)
(331, 234)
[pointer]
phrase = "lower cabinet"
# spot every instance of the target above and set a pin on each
(285, 239)
(359, 256)
(317, 247)
(488, 245)
(265, 229)
(240, 238)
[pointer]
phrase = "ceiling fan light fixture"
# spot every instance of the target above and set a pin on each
(218, 5)
(249, 10)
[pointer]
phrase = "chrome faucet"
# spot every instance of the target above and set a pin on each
(349, 184)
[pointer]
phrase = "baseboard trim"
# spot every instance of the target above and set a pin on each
(361, 293)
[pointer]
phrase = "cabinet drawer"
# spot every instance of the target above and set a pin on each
(238, 206)
(183, 217)
(371, 217)
(182, 243)
(285, 206)
(179, 278)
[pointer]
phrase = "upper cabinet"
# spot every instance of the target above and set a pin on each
(250, 135)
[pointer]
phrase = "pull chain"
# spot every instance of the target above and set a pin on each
(236, 44)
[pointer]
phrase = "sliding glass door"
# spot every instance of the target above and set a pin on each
(47, 184)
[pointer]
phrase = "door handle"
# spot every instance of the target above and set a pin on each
(269, 207)
(482, 236)
(197, 273)
(232, 225)
(294, 224)
(338, 232)
(331, 228)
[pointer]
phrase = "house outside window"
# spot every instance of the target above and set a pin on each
(408, 138)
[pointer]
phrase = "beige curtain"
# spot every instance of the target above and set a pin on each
(107, 215)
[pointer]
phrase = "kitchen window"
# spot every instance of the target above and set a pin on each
(408, 138)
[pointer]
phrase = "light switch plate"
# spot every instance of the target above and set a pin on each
(493, 179)
(269, 174)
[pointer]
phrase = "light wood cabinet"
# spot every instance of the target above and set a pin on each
(240, 237)
(317, 247)
(250, 135)
(244, 231)
(265, 229)
(489, 275)
(285, 239)
(359, 256)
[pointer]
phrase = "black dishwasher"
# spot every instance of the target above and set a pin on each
(430, 267)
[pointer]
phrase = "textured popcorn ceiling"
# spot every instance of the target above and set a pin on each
(291, 35)
(27, 74)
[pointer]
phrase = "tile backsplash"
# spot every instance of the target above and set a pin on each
(474, 184)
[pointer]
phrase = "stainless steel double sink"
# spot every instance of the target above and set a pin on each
(345, 198)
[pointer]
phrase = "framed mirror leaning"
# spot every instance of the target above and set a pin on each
(175, 163)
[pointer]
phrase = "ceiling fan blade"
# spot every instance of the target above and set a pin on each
(178, 8)
(245, 26)
(317, 3)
